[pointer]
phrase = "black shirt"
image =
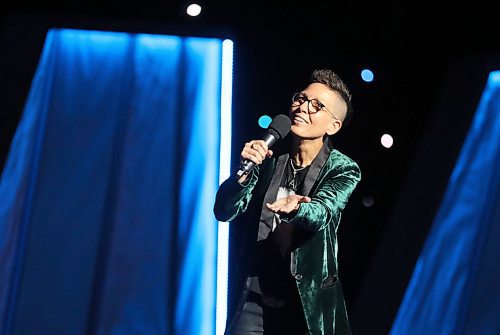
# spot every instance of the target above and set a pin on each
(271, 276)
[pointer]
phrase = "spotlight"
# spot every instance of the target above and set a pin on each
(193, 10)
(264, 121)
(386, 140)
(367, 75)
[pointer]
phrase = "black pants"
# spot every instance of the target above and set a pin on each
(259, 319)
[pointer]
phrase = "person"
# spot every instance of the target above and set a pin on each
(284, 218)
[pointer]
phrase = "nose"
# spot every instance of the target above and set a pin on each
(302, 108)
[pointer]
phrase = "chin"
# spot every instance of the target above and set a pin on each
(297, 131)
(303, 134)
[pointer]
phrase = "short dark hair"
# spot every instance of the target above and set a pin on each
(333, 81)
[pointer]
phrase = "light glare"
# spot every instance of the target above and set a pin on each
(264, 121)
(386, 140)
(367, 75)
(193, 10)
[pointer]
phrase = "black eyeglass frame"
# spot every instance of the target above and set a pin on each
(319, 105)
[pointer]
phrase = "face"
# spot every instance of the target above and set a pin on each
(317, 125)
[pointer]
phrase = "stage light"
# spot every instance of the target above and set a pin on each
(367, 75)
(225, 172)
(368, 201)
(193, 10)
(386, 140)
(264, 121)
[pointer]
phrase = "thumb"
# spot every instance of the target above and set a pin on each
(305, 199)
(269, 153)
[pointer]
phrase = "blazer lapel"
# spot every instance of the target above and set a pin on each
(266, 217)
(316, 167)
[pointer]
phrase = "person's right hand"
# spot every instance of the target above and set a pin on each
(255, 151)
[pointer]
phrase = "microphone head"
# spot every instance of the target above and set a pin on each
(280, 126)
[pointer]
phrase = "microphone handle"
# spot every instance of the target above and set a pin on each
(247, 165)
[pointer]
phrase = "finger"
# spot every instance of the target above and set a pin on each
(286, 209)
(262, 144)
(248, 145)
(305, 199)
(251, 146)
(250, 155)
(279, 202)
(269, 153)
(261, 149)
(247, 151)
(252, 149)
(271, 208)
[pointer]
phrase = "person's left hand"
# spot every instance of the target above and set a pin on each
(288, 204)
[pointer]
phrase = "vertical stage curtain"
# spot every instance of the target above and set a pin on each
(106, 223)
(455, 285)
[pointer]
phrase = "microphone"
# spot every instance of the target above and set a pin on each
(277, 130)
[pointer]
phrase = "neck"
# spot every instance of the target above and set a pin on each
(305, 150)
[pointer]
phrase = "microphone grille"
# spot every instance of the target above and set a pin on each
(280, 125)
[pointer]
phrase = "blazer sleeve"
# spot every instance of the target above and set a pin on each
(233, 198)
(328, 201)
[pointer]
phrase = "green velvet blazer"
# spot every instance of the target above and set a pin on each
(329, 182)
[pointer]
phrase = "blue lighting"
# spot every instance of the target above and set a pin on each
(106, 226)
(453, 289)
(264, 121)
(224, 173)
(367, 75)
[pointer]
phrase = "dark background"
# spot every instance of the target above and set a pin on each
(430, 63)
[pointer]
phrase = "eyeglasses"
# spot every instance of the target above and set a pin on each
(313, 105)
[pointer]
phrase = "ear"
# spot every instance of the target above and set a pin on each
(334, 127)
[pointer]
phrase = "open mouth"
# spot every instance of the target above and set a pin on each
(298, 119)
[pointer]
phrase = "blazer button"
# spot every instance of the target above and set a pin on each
(298, 277)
